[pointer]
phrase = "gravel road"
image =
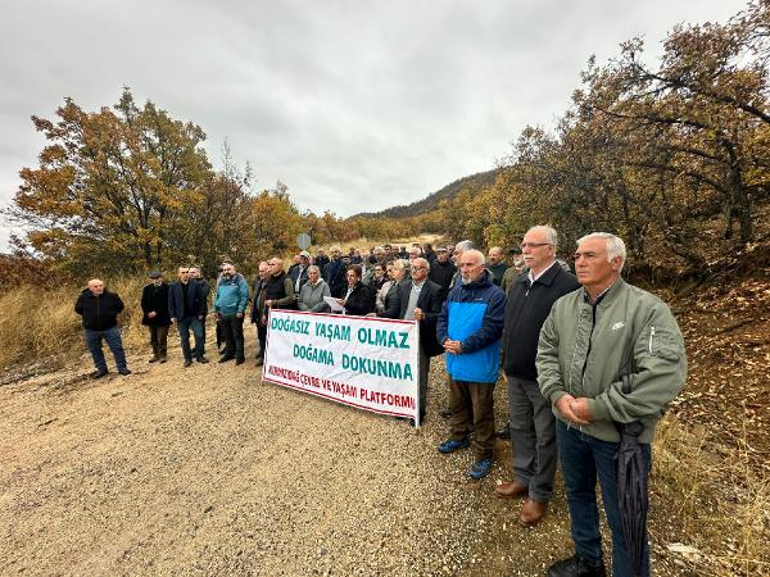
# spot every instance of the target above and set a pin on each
(210, 471)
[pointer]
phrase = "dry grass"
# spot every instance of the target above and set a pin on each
(38, 324)
(711, 500)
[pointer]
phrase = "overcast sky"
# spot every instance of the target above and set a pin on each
(356, 105)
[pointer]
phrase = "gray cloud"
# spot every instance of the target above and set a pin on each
(355, 105)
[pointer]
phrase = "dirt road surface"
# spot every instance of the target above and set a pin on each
(210, 471)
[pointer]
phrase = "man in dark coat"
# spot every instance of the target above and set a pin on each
(532, 424)
(100, 309)
(155, 309)
(187, 308)
(442, 270)
(421, 300)
(336, 275)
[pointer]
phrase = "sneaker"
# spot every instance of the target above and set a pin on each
(480, 469)
(451, 445)
(203, 360)
(125, 371)
(576, 566)
(98, 373)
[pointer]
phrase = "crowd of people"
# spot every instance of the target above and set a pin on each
(586, 356)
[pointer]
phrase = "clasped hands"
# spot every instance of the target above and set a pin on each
(453, 347)
(575, 410)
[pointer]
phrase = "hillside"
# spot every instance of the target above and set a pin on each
(431, 202)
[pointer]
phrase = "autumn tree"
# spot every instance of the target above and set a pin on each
(111, 185)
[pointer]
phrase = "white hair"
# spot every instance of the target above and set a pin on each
(548, 231)
(423, 261)
(477, 255)
(464, 245)
(615, 245)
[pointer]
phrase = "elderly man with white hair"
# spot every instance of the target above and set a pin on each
(610, 356)
(532, 425)
(469, 329)
(99, 309)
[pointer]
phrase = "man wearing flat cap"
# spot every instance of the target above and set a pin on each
(299, 273)
(156, 317)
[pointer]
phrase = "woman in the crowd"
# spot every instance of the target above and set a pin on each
(358, 299)
(311, 296)
(382, 292)
(392, 302)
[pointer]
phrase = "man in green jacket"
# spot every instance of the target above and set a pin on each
(592, 339)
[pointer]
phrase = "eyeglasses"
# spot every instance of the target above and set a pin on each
(524, 245)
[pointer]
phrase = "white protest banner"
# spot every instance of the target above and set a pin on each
(364, 362)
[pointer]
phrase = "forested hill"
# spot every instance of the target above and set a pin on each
(431, 202)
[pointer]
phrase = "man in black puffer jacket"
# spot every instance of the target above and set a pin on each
(99, 309)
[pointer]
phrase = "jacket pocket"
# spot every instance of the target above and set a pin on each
(664, 343)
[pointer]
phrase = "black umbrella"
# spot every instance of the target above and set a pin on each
(632, 493)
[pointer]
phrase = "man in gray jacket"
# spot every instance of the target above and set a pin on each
(592, 341)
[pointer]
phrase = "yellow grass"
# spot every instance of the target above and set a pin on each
(714, 501)
(37, 324)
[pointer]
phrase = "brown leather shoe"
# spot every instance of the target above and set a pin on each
(531, 513)
(510, 490)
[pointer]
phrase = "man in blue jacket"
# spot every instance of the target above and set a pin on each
(469, 329)
(230, 306)
(187, 308)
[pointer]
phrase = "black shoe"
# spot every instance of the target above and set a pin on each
(187, 363)
(260, 361)
(240, 361)
(98, 373)
(505, 432)
(203, 360)
(576, 566)
(446, 414)
(163, 359)
(154, 359)
(226, 358)
(125, 371)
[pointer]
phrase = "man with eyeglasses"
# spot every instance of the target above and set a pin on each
(421, 300)
(531, 423)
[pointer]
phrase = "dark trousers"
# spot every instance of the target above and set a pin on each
(196, 326)
(473, 401)
(533, 436)
(262, 338)
(159, 341)
(203, 338)
(220, 337)
(112, 337)
(232, 330)
(583, 459)
(424, 370)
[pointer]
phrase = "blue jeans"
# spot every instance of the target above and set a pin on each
(584, 458)
(94, 342)
(184, 326)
